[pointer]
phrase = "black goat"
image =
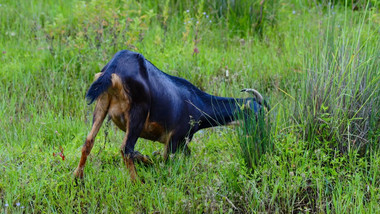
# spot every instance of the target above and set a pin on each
(146, 102)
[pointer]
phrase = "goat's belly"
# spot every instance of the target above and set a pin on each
(119, 121)
(155, 132)
(151, 130)
(118, 118)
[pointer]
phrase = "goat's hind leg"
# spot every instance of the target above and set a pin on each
(98, 118)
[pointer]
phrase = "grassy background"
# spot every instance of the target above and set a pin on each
(316, 62)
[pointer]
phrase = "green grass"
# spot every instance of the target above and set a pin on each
(317, 65)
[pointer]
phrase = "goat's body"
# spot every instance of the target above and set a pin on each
(146, 102)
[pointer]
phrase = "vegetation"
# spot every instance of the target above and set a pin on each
(316, 62)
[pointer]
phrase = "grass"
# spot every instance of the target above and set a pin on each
(316, 63)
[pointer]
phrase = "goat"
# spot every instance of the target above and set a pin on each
(145, 102)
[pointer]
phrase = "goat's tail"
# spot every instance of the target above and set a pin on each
(258, 97)
(99, 86)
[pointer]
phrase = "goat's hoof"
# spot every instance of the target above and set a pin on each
(145, 159)
(78, 173)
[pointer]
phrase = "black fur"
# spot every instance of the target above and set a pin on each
(100, 85)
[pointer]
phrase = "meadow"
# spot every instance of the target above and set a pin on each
(316, 62)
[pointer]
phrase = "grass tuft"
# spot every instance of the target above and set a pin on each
(254, 137)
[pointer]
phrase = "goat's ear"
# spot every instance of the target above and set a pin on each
(97, 75)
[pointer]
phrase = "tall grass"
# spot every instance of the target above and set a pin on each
(255, 138)
(339, 97)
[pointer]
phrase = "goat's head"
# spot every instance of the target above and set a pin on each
(259, 99)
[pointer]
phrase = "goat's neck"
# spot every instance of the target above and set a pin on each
(219, 111)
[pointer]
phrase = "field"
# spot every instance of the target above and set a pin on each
(316, 62)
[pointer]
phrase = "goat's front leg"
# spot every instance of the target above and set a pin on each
(145, 159)
(135, 122)
(98, 118)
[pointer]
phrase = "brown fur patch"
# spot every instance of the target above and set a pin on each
(119, 103)
(153, 131)
(131, 168)
(118, 88)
